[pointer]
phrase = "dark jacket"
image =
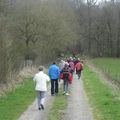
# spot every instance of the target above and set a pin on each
(65, 72)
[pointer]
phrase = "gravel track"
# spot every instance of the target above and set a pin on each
(32, 113)
(78, 108)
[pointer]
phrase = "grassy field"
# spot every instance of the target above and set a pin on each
(110, 66)
(16, 102)
(105, 104)
(59, 105)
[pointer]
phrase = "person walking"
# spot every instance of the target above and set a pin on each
(66, 78)
(79, 68)
(61, 64)
(72, 67)
(54, 73)
(41, 87)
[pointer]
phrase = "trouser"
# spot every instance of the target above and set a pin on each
(41, 97)
(72, 72)
(54, 86)
(66, 85)
(79, 74)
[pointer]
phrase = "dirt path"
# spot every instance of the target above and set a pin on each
(32, 113)
(78, 108)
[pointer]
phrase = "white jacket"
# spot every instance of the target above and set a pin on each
(41, 81)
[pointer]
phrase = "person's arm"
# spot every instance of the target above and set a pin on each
(82, 66)
(58, 72)
(47, 78)
(49, 72)
(34, 78)
(76, 67)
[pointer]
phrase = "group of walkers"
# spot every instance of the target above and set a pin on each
(64, 71)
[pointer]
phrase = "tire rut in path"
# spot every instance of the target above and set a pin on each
(78, 108)
(32, 113)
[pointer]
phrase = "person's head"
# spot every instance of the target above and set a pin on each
(54, 63)
(78, 59)
(41, 68)
(66, 65)
(70, 58)
(61, 61)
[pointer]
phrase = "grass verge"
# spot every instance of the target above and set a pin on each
(111, 66)
(13, 103)
(105, 104)
(59, 105)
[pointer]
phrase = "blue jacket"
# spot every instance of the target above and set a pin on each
(54, 71)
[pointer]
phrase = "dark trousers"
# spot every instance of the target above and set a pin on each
(54, 86)
(72, 72)
(78, 73)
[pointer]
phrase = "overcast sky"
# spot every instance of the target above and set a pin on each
(94, 0)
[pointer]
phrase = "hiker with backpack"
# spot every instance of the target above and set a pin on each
(79, 68)
(67, 78)
(61, 64)
(71, 65)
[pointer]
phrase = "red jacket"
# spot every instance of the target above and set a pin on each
(70, 78)
(65, 72)
(79, 66)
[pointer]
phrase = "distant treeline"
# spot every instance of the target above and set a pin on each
(35, 32)
(99, 27)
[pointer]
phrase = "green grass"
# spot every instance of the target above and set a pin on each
(16, 102)
(59, 105)
(105, 104)
(111, 66)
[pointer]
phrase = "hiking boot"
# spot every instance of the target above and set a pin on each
(39, 108)
(42, 107)
(64, 93)
(67, 94)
